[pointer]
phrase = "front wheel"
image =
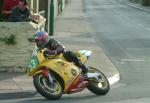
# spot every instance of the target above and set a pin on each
(51, 91)
(98, 85)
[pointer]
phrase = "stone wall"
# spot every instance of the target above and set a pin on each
(15, 56)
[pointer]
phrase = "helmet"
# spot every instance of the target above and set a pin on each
(41, 38)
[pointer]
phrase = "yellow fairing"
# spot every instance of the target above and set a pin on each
(40, 56)
(67, 71)
(62, 68)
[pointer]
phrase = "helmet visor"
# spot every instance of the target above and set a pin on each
(39, 43)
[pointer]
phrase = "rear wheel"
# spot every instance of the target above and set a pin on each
(98, 85)
(51, 91)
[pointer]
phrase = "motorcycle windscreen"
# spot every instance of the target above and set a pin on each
(85, 54)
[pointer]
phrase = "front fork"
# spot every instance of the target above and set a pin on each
(47, 75)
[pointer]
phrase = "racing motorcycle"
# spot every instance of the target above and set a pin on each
(53, 76)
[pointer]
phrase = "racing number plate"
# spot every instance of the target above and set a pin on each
(33, 63)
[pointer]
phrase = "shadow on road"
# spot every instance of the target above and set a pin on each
(17, 95)
(66, 99)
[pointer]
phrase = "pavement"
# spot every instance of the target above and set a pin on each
(74, 32)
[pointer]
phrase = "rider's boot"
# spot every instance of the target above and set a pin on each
(84, 70)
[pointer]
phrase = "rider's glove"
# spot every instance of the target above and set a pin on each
(49, 53)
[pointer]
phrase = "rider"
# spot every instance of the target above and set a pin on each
(53, 47)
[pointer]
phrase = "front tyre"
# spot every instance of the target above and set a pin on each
(98, 85)
(51, 91)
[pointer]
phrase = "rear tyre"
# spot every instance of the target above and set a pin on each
(51, 91)
(99, 85)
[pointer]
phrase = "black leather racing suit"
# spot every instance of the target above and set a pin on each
(54, 48)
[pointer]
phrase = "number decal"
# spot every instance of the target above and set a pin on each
(33, 63)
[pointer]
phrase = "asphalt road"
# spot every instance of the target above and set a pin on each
(124, 34)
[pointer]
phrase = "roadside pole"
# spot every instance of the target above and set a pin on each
(51, 17)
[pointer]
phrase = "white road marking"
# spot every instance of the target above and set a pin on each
(148, 29)
(114, 79)
(141, 25)
(132, 60)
